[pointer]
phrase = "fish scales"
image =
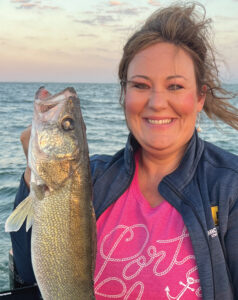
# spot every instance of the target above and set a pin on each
(63, 239)
(63, 244)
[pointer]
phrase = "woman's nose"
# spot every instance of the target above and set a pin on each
(158, 100)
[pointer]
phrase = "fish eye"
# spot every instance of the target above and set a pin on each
(67, 124)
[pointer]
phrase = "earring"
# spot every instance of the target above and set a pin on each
(199, 129)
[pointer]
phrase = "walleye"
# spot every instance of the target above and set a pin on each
(59, 207)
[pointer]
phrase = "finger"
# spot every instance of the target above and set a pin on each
(25, 137)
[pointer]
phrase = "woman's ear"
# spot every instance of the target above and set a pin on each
(202, 97)
(204, 89)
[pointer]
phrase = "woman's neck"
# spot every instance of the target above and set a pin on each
(158, 166)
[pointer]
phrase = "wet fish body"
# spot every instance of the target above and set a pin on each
(59, 207)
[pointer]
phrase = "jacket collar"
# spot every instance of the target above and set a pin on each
(187, 167)
(131, 147)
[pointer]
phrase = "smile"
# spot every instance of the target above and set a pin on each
(160, 122)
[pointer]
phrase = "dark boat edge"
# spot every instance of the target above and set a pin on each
(18, 288)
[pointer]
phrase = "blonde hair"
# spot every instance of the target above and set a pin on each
(184, 26)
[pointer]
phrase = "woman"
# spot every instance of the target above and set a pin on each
(167, 204)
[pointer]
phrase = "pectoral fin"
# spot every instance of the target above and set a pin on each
(21, 212)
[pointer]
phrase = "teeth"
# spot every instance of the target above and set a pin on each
(160, 122)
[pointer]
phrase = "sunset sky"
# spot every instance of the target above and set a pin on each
(82, 40)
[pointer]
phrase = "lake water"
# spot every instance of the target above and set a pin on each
(106, 132)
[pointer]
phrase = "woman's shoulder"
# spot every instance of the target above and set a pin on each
(218, 170)
(220, 158)
(99, 163)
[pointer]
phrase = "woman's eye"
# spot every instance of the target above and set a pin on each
(139, 85)
(174, 87)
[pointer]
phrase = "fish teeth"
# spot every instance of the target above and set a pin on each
(160, 122)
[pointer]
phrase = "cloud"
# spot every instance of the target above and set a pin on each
(20, 1)
(220, 18)
(126, 11)
(48, 7)
(31, 38)
(123, 29)
(86, 35)
(154, 3)
(29, 4)
(113, 15)
(3, 41)
(97, 20)
(87, 22)
(104, 50)
(115, 3)
(103, 19)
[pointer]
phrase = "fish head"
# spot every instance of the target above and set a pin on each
(58, 139)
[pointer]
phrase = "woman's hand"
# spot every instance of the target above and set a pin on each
(25, 137)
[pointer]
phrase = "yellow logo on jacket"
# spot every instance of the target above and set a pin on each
(215, 214)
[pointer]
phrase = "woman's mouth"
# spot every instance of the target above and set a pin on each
(160, 122)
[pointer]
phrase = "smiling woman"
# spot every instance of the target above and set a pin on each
(161, 107)
(161, 100)
(188, 30)
(162, 200)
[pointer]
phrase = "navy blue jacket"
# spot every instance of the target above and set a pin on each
(206, 179)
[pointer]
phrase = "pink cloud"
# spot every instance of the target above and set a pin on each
(115, 3)
(153, 3)
(48, 7)
(27, 6)
(20, 1)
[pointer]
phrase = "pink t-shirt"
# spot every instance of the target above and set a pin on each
(144, 252)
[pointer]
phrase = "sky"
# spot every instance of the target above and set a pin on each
(82, 40)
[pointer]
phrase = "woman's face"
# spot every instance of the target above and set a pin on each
(161, 98)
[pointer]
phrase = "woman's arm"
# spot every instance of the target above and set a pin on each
(21, 242)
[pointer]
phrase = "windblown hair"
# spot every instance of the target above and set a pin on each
(185, 26)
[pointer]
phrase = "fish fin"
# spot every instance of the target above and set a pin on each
(18, 216)
(30, 218)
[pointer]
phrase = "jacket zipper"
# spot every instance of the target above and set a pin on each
(199, 221)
